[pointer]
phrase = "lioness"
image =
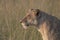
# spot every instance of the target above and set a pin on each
(47, 25)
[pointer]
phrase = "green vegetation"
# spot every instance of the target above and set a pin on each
(11, 11)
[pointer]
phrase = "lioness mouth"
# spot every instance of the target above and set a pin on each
(24, 26)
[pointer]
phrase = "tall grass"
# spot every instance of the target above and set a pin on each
(11, 11)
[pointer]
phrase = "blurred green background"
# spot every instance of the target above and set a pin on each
(11, 11)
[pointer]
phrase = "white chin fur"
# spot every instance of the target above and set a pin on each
(24, 26)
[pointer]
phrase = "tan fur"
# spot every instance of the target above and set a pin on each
(49, 26)
(43, 30)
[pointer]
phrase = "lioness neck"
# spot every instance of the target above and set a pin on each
(44, 30)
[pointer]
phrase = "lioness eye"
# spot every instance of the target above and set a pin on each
(29, 17)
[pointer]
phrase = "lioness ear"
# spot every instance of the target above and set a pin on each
(34, 11)
(37, 12)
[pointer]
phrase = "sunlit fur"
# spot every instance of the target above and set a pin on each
(47, 25)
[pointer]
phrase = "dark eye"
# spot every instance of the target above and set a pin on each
(29, 17)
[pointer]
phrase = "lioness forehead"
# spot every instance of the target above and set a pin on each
(31, 13)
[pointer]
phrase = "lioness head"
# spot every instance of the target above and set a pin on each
(30, 19)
